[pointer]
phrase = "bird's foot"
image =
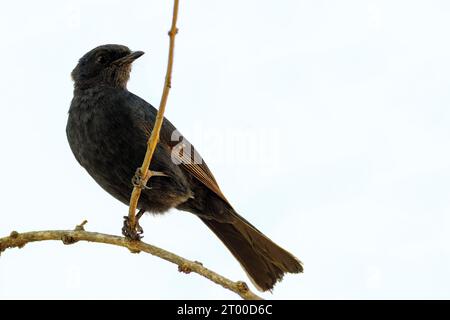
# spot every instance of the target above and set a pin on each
(132, 233)
(140, 181)
(136, 232)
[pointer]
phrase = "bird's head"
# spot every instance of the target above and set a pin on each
(108, 65)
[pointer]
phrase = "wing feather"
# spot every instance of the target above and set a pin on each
(186, 155)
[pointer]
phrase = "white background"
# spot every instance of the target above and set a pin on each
(326, 124)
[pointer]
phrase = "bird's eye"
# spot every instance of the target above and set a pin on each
(101, 59)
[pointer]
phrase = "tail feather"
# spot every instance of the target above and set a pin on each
(263, 260)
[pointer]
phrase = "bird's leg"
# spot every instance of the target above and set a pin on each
(139, 181)
(138, 217)
(135, 234)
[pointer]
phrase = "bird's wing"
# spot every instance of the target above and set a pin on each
(186, 156)
(195, 165)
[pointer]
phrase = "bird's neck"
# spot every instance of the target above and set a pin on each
(115, 78)
(86, 85)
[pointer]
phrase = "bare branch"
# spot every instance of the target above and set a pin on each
(154, 137)
(18, 240)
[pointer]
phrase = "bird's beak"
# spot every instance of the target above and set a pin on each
(128, 58)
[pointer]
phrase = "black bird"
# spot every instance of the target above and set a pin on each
(108, 128)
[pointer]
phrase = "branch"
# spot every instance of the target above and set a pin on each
(19, 240)
(144, 173)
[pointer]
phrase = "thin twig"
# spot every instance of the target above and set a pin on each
(154, 137)
(18, 240)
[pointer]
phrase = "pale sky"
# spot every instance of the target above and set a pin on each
(326, 124)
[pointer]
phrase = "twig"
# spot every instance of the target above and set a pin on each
(18, 240)
(154, 137)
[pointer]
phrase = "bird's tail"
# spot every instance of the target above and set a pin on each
(263, 260)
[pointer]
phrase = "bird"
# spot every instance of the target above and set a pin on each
(107, 130)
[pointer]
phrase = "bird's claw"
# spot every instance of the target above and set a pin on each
(140, 181)
(132, 233)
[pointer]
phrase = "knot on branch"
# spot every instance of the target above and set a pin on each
(68, 239)
(14, 234)
(14, 241)
(242, 287)
(172, 33)
(184, 267)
